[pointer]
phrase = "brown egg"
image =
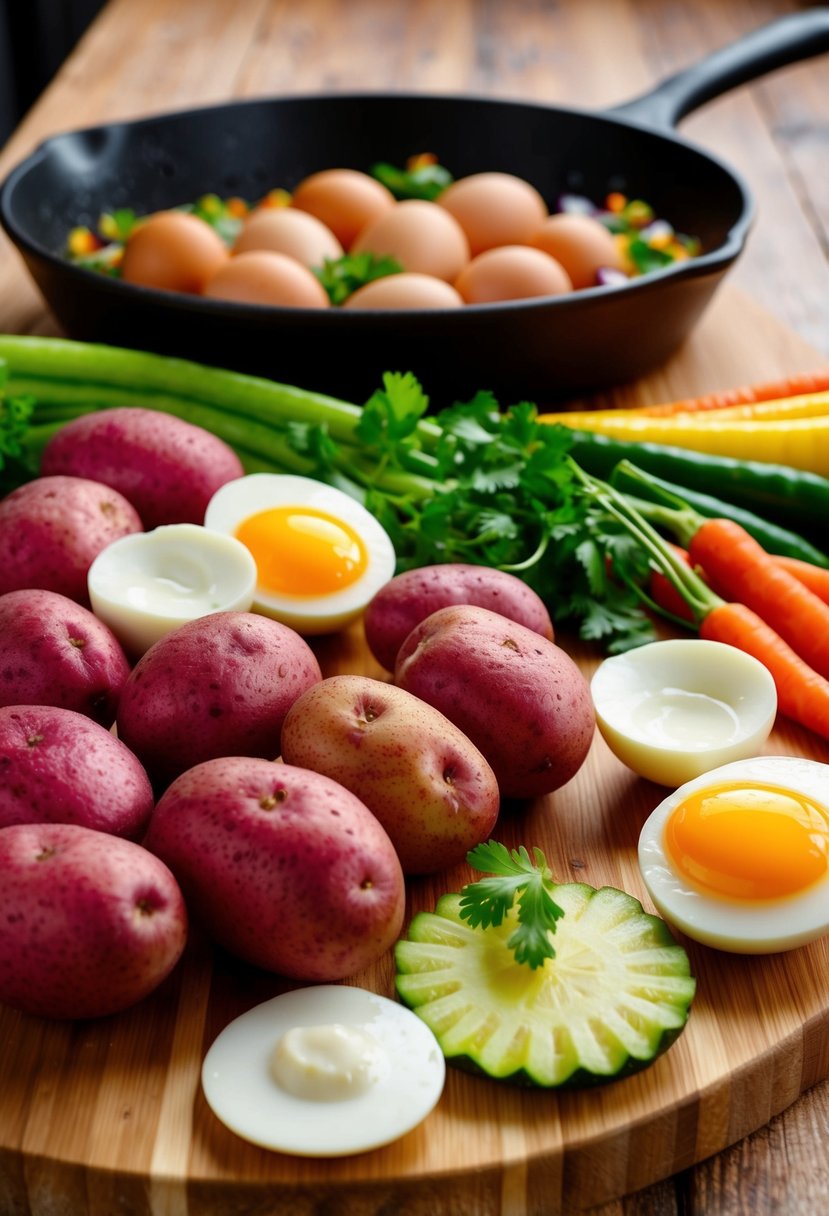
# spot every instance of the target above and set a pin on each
(297, 234)
(173, 251)
(405, 291)
(495, 209)
(262, 277)
(581, 244)
(511, 272)
(423, 238)
(345, 200)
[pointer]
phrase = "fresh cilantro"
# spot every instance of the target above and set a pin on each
(342, 276)
(518, 881)
(422, 178)
(646, 258)
(117, 225)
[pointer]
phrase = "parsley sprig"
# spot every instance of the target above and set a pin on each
(520, 881)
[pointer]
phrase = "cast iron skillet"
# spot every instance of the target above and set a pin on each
(539, 349)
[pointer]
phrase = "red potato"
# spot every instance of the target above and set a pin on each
(56, 766)
(56, 652)
(167, 468)
(92, 924)
(284, 867)
(217, 686)
(409, 598)
(429, 786)
(521, 700)
(53, 528)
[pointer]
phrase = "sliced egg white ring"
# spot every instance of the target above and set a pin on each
(742, 927)
(293, 601)
(406, 1077)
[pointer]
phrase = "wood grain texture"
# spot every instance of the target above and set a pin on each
(93, 1119)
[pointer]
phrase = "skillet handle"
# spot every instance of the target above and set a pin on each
(786, 40)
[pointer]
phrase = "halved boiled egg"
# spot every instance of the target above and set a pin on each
(324, 1071)
(320, 555)
(738, 858)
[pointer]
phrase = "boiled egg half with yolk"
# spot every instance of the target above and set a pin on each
(738, 858)
(320, 555)
(324, 1072)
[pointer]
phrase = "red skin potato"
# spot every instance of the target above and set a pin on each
(167, 468)
(429, 786)
(283, 867)
(53, 528)
(57, 766)
(92, 924)
(217, 686)
(53, 651)
(521, 700)
(410, 597)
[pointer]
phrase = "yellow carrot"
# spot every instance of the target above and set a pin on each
(808, 405)
(801, 443)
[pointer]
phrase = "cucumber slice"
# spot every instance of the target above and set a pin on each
(616, 995)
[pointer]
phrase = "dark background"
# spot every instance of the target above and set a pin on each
(35, 38)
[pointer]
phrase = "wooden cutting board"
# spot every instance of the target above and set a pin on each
(108, 1117)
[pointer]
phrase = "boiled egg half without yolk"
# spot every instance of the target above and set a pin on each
(320, 555)
(324, 1072)
(738, 858)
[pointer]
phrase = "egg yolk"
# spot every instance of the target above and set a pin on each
(301, 551)
(749, 842)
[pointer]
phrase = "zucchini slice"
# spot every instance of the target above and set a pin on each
(616, 995)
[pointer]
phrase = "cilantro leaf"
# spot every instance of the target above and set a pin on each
(342, 276)
(517, 881)
(392, 413)
(422, 178)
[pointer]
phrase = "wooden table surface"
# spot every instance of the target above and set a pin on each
(144, 56)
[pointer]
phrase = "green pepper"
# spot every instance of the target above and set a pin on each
(771, 536)
(793, 498)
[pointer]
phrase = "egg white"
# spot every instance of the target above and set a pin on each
(750, 927)
(148, 583)
(241, 1091)
(237, 500)
(674, 709)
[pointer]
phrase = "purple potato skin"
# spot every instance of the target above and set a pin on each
(520, 698)
(92, 923)
(217, 686)
(410, 597)
(53, 528)
(57, 766)
(167, 468)
(283, 867)
(53, 651)
(429, 786)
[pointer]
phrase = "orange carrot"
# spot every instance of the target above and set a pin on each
(667, 597)
(739, 568)
(802, 694)
(813, 577)
(746, 394)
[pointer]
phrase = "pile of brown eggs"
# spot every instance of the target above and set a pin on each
(487, 237)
